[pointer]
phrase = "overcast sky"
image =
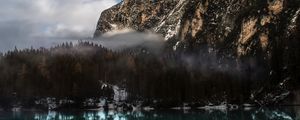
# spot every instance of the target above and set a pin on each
(42, 23)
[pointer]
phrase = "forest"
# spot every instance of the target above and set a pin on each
(76, 71)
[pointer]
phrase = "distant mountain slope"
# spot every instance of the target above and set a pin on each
(260, 32)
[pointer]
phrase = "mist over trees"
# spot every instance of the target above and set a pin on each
(76, 71)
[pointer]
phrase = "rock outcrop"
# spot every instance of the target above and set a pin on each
(264, 30)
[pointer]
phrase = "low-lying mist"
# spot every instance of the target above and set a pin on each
(74, 69)
(127, 38)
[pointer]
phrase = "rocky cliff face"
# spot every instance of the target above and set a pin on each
(242, 25)
(264, 30)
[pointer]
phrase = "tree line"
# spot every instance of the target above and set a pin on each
(75, 71)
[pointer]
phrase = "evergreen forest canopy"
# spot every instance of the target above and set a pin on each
(77, 71)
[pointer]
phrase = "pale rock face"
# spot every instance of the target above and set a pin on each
(264, 40)
(196, 21)
(138, 15)
(265, 20)
(276, 6)
(247, 31)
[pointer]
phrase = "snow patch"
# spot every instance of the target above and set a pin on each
(176, 46)
(293, 21)
(114, 26)
(119, 94)
(221, 107)
(148, 108)
(173, 32)
(184, 107)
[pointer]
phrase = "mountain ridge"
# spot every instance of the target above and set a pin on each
(264, 33)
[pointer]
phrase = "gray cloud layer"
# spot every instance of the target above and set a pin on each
(127, 38)
(42, 23)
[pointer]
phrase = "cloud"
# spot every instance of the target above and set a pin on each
(25, 23)
(128, 38)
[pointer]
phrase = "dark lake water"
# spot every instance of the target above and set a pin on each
(286, 113)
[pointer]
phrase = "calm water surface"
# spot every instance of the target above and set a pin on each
(287, 113)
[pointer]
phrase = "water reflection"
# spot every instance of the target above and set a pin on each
(253, 114)
(87, 115)
(52, 115)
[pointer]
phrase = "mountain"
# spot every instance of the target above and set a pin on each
(263, 34)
